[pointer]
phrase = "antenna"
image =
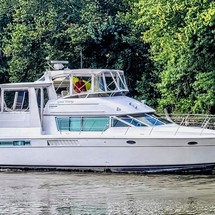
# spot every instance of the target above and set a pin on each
(81, 56)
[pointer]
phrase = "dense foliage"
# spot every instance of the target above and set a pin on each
(167, 49)
(182, 42)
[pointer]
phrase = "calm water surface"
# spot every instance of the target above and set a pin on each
(58, 193)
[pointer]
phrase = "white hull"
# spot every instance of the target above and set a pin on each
(112, 154)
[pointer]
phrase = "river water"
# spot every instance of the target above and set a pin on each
(61, 193)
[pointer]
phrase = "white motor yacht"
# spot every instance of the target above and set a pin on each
(82, 120)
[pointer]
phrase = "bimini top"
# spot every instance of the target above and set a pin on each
(86, 82)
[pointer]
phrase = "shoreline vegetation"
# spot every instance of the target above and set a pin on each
(167, 49)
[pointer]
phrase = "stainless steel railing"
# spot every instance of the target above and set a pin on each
(198, 120)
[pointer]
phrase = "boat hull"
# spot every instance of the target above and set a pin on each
(113, 155)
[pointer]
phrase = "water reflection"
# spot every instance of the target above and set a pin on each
(57, 193)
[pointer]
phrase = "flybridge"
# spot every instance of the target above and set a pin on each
(85, 82)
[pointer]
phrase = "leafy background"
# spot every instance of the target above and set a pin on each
(166, 48)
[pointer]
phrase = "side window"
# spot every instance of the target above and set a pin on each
(153, 121)
(118, 123)
(81, 84)
(61, 86)
(62, 124)
(82, 123)
(75, 123)
(16, 100)
(110, 83)
(95, 124)
(134, 122)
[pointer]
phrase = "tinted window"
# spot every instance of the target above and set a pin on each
(82, 123)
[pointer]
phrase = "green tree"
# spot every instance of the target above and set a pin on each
(6, 10)
(38, 30)
(64, 29)
(182, 42)
(110, 40)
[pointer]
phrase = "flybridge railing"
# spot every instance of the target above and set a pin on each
(198, 120)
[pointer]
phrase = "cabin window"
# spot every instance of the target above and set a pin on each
(82, 123)
(15, 143)
(151, 119)
(110, 82)
(122, 82)
(75, 124)
(114, 81)
(101, 84)
(63, 124)
(133, 122)
(16, 100)
(61, 85)
(118, 123)
(125, 122)
(95, 124)
(66, 86)
(80, 84)
(161, 120)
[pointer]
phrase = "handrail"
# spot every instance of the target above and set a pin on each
(197, 120)
(153, 126)
(204, 122)
(183, 120)
(205, 125)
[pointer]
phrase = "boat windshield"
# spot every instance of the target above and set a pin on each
(125, 121)
(151, 119)
(139, 120)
